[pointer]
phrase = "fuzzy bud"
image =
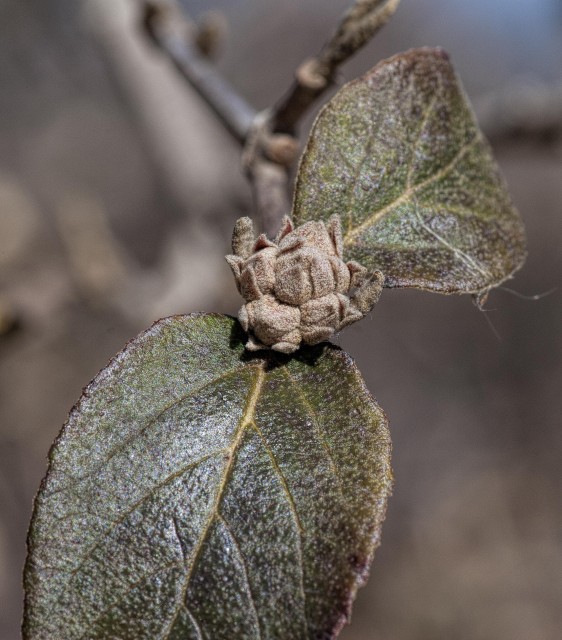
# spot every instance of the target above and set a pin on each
(296, 287)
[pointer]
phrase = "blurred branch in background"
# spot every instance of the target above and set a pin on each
(8, 318)
(525, 108)
(270, 146)
(18, 217)
(97, 261)
(176, 34)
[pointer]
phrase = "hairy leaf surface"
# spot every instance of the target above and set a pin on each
(196, 492)
(399, 156)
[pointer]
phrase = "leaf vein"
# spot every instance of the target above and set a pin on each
(131, 509)
(316, 423)
(122, 445)
(193, 619)
(177, 534)
(366, 156)
(408, 193)
(245, 571)
(464, 258)
(423, 122)
(282, 479)
(131, 587)
(294, 512)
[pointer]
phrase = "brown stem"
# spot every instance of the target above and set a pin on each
(270, 147)
(522, 110)
(267, 158)
(170, 30)
(358, 25)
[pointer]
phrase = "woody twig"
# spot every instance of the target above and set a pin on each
(269, 137)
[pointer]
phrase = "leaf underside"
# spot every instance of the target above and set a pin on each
(399, 156)
(197, 493)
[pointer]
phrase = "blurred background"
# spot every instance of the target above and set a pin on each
(118, 193)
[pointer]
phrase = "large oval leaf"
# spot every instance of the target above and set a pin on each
(196, 492)
(399, 156)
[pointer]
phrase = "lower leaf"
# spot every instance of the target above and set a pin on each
(196, 492)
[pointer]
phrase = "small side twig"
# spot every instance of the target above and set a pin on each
(210, 33)
(358, 25)
(173, 32)
(526, 109)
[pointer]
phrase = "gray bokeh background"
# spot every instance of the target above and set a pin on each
(118, 192)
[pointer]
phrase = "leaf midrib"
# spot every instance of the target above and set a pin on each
(247, 420)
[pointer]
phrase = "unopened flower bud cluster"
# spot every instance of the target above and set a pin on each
(296, 287)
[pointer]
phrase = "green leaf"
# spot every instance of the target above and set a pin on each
(196, 492)
(399, 156)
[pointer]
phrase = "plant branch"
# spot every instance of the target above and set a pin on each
(270, 146)
(266, 156)
(173, 32)
(358, 25)
(524, 109)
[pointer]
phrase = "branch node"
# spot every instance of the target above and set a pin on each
(211, 33)
(281, 148)
(266, 158)
(163, 16)
(254, 143)
(357, 26)
(312, 75)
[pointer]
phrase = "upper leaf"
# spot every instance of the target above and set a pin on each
(196, 492)
(399, 156)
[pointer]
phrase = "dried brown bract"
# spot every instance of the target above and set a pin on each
(297, 287)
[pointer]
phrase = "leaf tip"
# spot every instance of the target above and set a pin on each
(441, 53)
